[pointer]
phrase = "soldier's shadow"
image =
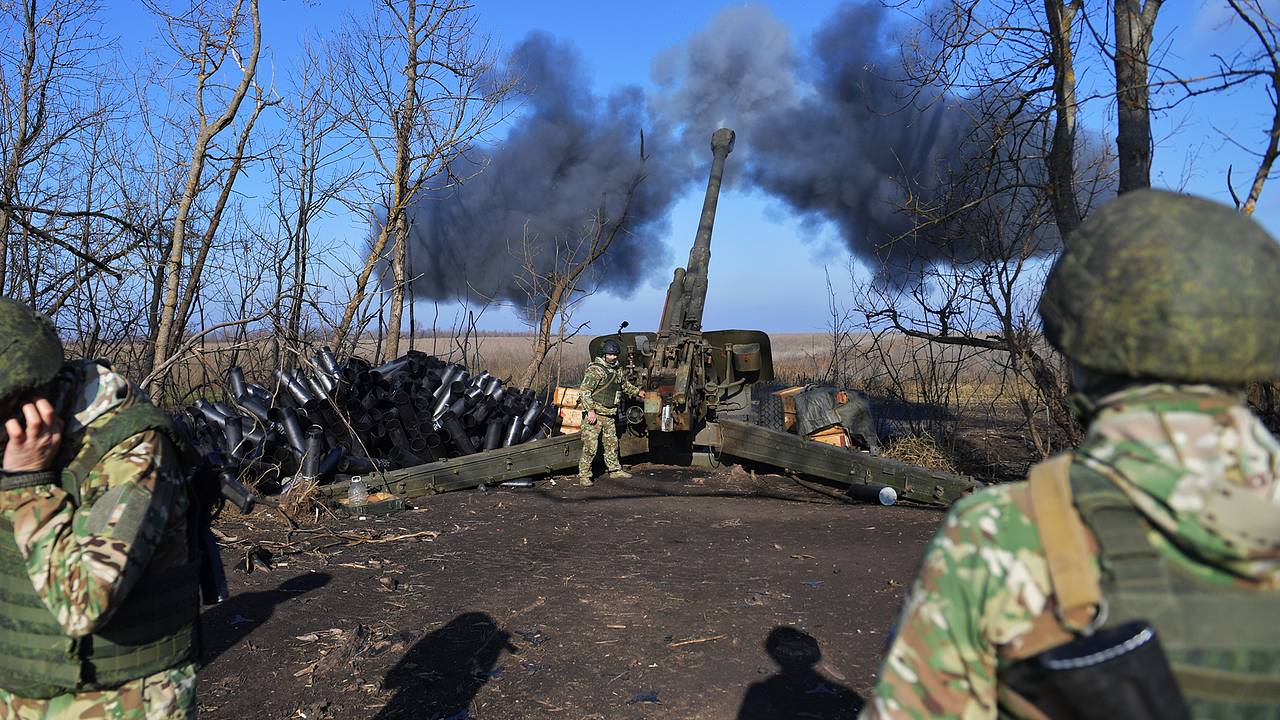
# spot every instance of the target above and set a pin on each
(440, 675)
(228, 623)
(797, 690)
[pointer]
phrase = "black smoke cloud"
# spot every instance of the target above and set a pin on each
(839, 134)
(568, 153)
(857, 145)
(833, 133)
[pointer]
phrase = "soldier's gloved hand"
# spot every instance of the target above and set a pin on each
(591, 417)
(32, 448)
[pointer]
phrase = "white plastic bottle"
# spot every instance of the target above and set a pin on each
(357, 492)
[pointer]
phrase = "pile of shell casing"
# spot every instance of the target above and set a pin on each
(353, 418)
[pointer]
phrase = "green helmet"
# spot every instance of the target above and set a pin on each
(30, 351)
(610, 347)
(1166, 286)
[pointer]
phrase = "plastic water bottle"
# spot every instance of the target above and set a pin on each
(357, 492)
(887, 495)
(874, 493)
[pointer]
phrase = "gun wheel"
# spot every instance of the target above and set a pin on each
(769, 413)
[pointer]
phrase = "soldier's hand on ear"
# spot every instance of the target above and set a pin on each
(33, 447)
(591, 417)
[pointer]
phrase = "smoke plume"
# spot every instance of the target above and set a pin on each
(832, 130)
(568, 154)
(839, 134)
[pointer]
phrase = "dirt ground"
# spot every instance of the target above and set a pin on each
(678, 594)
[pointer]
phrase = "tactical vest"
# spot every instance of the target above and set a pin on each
(1222, 641)
(608, 396)
(153, 630)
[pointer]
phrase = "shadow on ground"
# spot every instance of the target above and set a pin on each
(440, 675)
(797, 690)
(245, 612)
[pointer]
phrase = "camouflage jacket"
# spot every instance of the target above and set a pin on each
(983, 598)
(84, 559)
(597, 380)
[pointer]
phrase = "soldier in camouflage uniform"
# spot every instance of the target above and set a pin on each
(98, 574)
(1165, 305)
(602, 388)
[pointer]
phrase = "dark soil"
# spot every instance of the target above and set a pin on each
(995, 449)
(647, 598)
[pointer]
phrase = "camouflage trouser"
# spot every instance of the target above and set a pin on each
(167, 695)
(603, 433)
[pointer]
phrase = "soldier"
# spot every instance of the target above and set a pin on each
(1145, 565)
(98, 575)
(602, 388)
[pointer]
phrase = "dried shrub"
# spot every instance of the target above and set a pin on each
(920, 450)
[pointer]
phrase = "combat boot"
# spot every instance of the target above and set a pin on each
(620, 475)
(585, 481)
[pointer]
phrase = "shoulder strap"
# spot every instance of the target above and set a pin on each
(1132, 562)
(98, 441)
(1073, 575)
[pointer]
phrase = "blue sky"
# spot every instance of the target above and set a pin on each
(768, 266)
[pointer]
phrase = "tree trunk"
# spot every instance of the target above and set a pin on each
(343, 330)
(398, 283)
(1062, 152)
(397, 215)
(405, 112)
(1134, 21)
(301, 247)
(183, 313)
(542, 338)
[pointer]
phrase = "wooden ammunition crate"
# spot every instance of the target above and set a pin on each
(566, 397)
(834, 435)
(566, 401)
(570, 420)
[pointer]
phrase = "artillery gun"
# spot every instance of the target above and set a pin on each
(692, 376)
(699, 387)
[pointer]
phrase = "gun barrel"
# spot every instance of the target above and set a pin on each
(688, 293)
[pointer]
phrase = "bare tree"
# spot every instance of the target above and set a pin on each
(980, 300)
(311, 172)
(999, 52)
(1061, 163)
(995, 49)
(417, 86)
(1264, 63)
(1025, 181)
(205, 40)
(554, 286)
(53, 109)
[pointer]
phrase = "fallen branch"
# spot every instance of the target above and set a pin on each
(695, 641)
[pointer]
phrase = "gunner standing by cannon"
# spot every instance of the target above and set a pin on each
(602, 388)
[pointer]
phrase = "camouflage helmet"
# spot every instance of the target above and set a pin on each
(30, 351)
(610, 347)
(1160, 285)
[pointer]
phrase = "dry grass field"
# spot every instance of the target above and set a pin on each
(798, 358)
